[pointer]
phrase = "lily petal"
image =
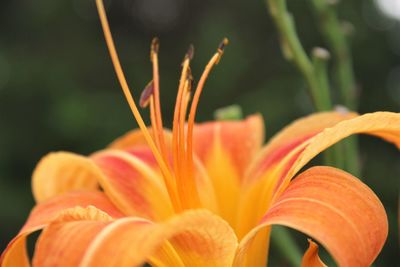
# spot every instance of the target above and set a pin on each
(16, 255)
(311, 258)
(61, 172)
(83, 222)
(336, 209)
(205, 187)
(273, 180)
(259, 183)
(226, 148)
(385, 125)
(290, 137)
(128, 140)
(198, 237)
(133, 183)
(240, 139)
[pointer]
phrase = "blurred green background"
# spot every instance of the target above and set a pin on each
(58, 90)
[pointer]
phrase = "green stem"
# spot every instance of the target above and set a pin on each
(335, 38)
(286, 245)
(353, 164)
(320, 56)
(333, 33)
(294, 51)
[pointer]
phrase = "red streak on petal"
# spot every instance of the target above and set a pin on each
(126, 180)
(287, 167)
(144, 154)
(278, 154)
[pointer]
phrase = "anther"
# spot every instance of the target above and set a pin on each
(221, 48)
(155, 46)
(190, 52)
(222, 45)
(146, 95)
(190, 80)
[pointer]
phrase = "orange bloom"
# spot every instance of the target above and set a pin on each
(202, 194)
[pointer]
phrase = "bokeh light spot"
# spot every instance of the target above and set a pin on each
(391, 8)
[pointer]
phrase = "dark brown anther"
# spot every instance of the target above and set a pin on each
(189, 78)
(190, 52)
(155, 46)
(222, 45)
(189, 73)
(221, 48)
(146, 95)
(191, 84)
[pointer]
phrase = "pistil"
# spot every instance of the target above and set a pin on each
(167, 176)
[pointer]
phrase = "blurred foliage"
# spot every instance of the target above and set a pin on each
(58, 90)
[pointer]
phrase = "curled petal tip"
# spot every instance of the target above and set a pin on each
(311, 258)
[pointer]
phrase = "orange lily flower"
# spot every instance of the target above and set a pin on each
(204, 194)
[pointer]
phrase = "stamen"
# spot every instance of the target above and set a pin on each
(186, 181)
(176, 139)
(181, 128)
(146, 95)
(186, 185)
(192, 115)
(168, 179)
(153, 121)
(222, 45)
(179, 148)
(155, 47)
(182, 113)
(159, 133)
(146, 98)
(190, 52)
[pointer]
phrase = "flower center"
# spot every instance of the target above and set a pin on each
(179, 178)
